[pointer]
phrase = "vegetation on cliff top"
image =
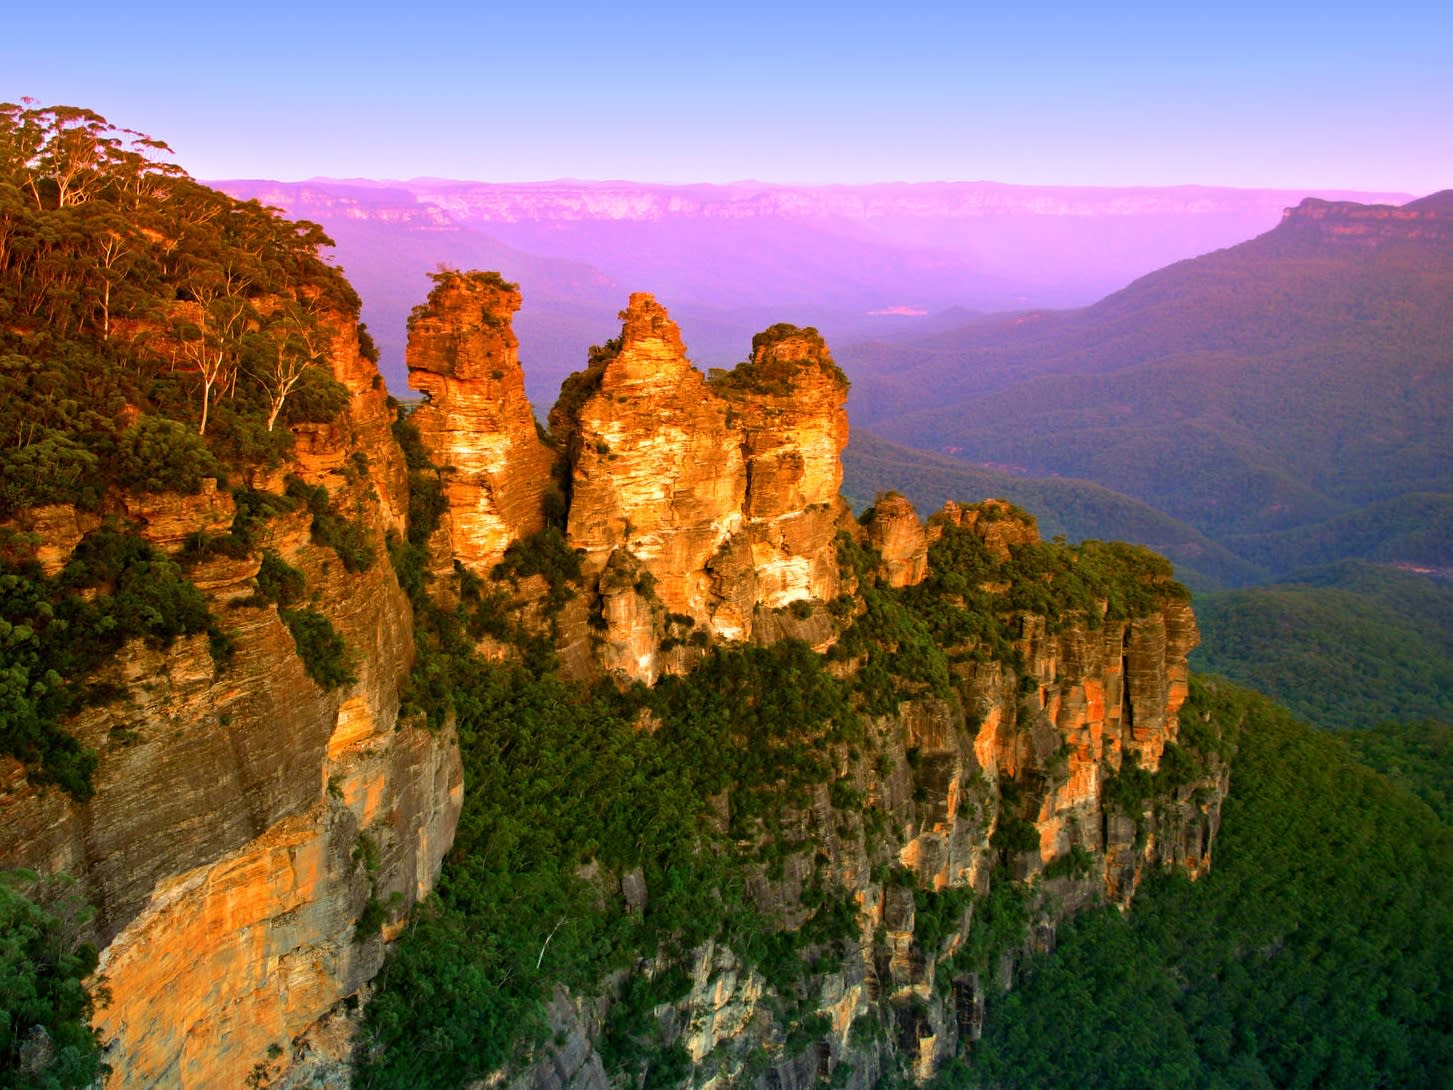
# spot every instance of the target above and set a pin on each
(448, 279)
(681, 804)
(1317, 953)
(153, 333)
(776, 377)
(129, 291)
(56, 631)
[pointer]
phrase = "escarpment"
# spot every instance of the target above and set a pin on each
(259, 623)
(975, 811)
(1367, 226)
(258, 814)
(992, 742)
(696, 505)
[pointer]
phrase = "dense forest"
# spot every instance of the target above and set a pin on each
(153, 333)
(1317, 953)
(156, 335)
(1347, 646)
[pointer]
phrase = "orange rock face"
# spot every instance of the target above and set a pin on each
(695, 504)
(722, 495)
(791, 401)
(657, 472)
(900, 538)
(1370, 225)
(477, 423)
(219, 846)
(1088, 701)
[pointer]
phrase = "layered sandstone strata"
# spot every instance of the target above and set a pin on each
(790, 399)
(896, 532)
(657, 479)
(1371, 225)
(476, 421)
(243, 817)
(720, 495)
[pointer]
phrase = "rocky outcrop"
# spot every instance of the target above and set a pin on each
(1011, 776)
(476, 420)
(790, 400)
(1371, 225)
(720, 496)
(999, 524)
(657, 481)
(698, 506)
(895, 531)
(243, 816)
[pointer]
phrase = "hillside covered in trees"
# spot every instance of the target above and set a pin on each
(1289, 397)
(886, 840)
(154, 334)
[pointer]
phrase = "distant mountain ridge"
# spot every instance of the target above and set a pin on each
(1076, 509)
(1430, 218)
(855, 261)
(569, 199)
(1261, 390)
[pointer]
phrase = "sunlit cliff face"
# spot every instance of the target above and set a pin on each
(701, 499)
(464, 358)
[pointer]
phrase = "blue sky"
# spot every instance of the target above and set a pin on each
(1290, 95)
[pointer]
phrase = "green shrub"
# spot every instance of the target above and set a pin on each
(427, 502)
(43, 969)
(149, 596)
(545, 554)
(366, 346)
(1128, 790)
(279, 582)
(52, 469)
(325, 655)
(160, 455)
(353, 544)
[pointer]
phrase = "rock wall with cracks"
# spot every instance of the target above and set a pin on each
(244, 817)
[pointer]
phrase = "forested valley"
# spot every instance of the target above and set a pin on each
(880, 842)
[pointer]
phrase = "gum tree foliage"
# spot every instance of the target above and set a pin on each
(153, 333)
(124, 286)
(46, 1041)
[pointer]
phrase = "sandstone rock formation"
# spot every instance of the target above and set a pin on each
(244, 817)
(478, 424)
(1010, 775)
(999, 524)
(656, 474)
(790, 399)
(898, 535)
(720, 497)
